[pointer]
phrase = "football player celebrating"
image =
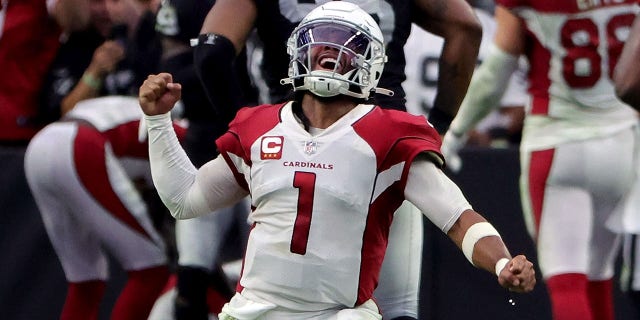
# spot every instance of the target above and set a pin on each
(323, 179)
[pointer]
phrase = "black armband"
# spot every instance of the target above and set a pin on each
(440, 120)
(213, 57)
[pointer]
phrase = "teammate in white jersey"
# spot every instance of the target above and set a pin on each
(578, 151)
(325, 173)
(81, 172)
(422, 53)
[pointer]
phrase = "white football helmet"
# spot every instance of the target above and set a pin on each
(336, 49)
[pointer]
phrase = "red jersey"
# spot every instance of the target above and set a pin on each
(28, 44)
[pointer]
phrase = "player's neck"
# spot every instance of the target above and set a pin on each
(322, 112)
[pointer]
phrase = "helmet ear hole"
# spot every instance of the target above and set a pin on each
(354, 34)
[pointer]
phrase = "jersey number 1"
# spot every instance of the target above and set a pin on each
(305, 182)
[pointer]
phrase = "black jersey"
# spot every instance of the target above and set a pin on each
(142, 56)
(277, 19)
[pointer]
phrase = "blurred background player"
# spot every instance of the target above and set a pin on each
(29, 39)
(134, 26)
(85, 58)
(22, 23)
(571, 186)
(501, 128)
(110, 57)
(81, 171)
(231, 22)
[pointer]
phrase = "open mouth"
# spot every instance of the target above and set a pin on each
(330, 63)
(333, 61)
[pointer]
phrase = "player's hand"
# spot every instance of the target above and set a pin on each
(158, 94)
(451, 145)
(106, 58)
(518, 275)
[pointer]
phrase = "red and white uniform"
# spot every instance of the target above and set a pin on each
(578, 147)
(27, 35)
(80, 171)
(574, 46)
(323, 201)
(398, 293)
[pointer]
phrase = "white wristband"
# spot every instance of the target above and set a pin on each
(500, 265)
(475, 233)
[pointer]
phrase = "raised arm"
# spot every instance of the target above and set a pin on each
(233, 19)
(457, 24)
(186, 191)
(223, 36)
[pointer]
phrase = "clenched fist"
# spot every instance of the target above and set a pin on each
(158, 94)
(518, 275)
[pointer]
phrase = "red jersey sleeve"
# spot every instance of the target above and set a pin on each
(398, 136)
(249, 124)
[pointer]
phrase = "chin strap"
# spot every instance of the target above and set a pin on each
(384, 91)
(286, 81)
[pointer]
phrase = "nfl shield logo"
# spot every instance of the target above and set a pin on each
(310, 147)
